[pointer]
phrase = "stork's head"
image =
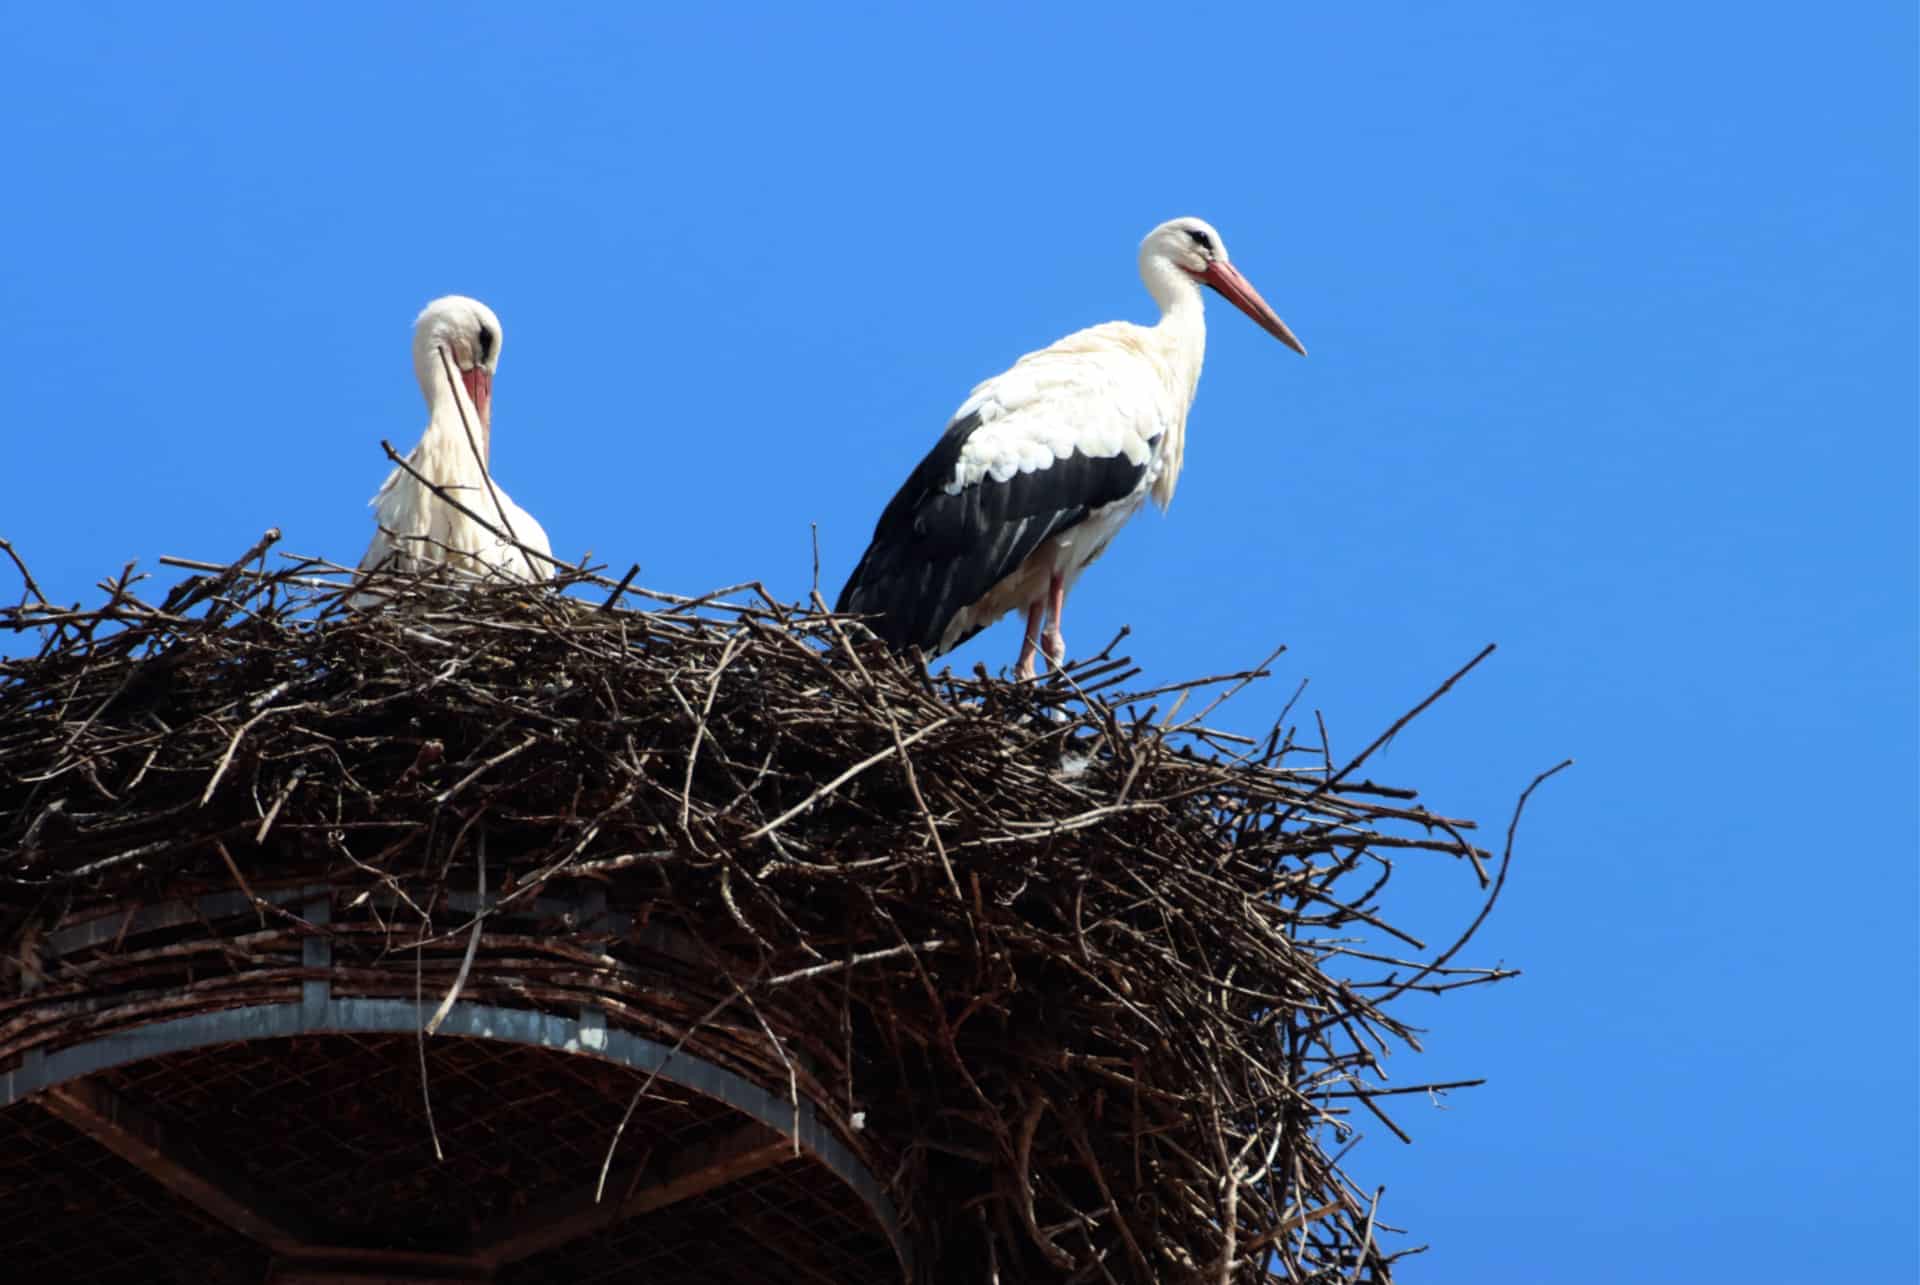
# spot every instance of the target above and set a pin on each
(1191, 247)
(469, 334)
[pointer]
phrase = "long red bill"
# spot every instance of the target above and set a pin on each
(479, 382)
(1225, 278)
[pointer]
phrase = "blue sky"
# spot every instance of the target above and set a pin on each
(1612, 313)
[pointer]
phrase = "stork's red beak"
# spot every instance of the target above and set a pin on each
(1225, 278)
(479, 382)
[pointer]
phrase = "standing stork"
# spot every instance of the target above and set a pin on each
(1043, 465)
(456, 348)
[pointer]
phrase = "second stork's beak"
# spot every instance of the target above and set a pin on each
(1225, 278)
(479, 382)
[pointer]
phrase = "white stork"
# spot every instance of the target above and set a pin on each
(456, 348)
(1043, 465)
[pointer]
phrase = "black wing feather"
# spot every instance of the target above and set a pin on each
(934, 553)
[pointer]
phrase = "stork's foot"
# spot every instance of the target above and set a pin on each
(1056, 647)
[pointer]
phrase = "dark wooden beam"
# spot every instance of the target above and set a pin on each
(300, 1271)
(173, 1162)
(795, 1256)
(692, 1171)
(341, 1266)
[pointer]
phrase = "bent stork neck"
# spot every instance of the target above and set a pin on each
(447, 402)
(1182, 329)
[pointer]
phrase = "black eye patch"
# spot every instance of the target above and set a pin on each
(1200, 238)
(486, 344)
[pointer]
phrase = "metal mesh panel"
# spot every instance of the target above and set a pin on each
(335, 1129)
(338, 1124)
(72, 1211)
(795, 1224)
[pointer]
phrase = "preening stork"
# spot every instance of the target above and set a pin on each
(456, 349)
(1043, 465)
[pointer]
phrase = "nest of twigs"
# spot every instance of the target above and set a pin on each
(1095, 989)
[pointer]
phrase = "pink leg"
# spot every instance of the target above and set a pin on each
(1030, 644)
(1056, 603)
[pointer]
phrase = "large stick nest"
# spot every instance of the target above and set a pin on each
(1093, 987)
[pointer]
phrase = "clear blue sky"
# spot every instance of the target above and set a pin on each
(1612, 314)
